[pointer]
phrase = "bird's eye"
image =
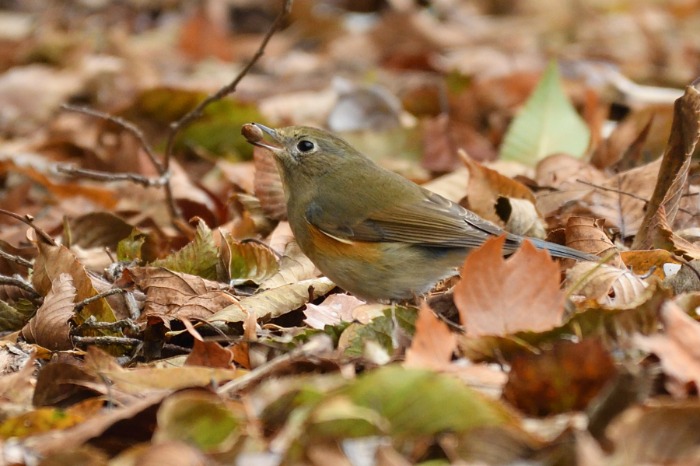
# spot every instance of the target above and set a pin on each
(305, 146)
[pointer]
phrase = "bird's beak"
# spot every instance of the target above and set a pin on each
(272, 134)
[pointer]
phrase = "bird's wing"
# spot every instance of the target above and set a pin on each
(432, 221)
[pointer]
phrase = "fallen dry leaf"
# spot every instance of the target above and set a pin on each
(170, 295)
(275, 302)
(50, 326)
(678, 348)
(486, 186)
(663, 237)
(657, 433)
(620, 200)
(564, 378)
(673, 172)
(207, 353)
(652, 261)
(55, 260)
(586, 234)
(497, 296)
(521, 217)
(606, 284)
(433, 343)
(333, 310)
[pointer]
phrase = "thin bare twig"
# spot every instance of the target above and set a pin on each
(162, 181)
(29, 220)
(16, 259)
(315, 347)
(79, 306)
(624, 193)
(196, 112)
(107, 176)
(106, 341)
(92, 324)
(127, 125)
(175, 128)
(21, 284)
(612, 190)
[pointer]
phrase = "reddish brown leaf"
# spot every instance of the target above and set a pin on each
(209, 354)
(433, 342)
(565, 378)
(206, 353)
(498, 296)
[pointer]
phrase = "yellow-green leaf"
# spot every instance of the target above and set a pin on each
(200, 257)
(548, 124)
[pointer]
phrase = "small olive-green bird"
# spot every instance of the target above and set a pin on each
(373, 232)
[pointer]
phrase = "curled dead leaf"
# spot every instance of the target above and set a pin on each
(521, 217)
(605, 284)
(486, 186)
(335, 309)
(49, 327)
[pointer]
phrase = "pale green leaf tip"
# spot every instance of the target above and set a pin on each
(548, 123)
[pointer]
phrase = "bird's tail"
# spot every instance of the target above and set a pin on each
(557, 250)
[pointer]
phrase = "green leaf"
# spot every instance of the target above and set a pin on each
(199, 418)
(215, 133)
(547, 124)
(13, 317)
(414, 402)
(247, 262)
(380, 330)
(200, 257)
(129, 249)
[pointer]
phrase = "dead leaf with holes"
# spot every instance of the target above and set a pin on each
(502, 200)
(605, 284)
